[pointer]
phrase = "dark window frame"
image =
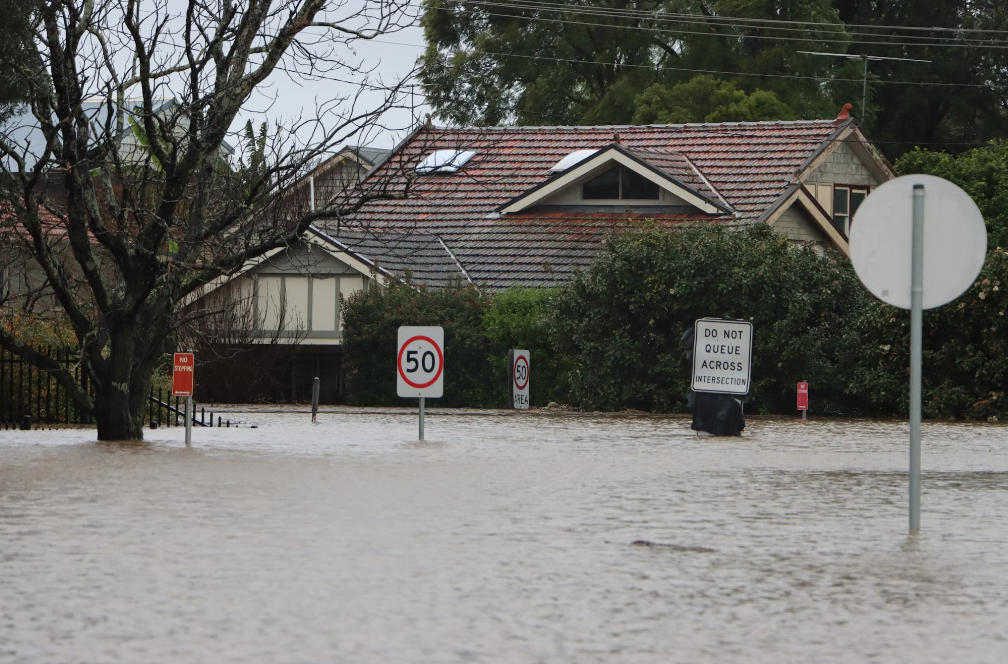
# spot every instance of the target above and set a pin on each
(843, 221)
(621, 172)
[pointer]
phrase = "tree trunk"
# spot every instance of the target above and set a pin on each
(121, 395)
(115, 421)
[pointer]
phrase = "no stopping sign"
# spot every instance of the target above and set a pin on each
(420, 362)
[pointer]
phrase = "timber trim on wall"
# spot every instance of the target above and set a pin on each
(815, 211)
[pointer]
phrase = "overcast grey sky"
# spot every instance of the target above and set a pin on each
(282, 100)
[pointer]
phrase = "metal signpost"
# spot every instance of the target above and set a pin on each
(182, 386)
(420, 365)
(518, 382)
(314, 399)
(803, 399)
(893, 237)
(722, 350)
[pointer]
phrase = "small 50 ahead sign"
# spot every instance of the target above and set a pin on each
(520, 377)
(722, 354)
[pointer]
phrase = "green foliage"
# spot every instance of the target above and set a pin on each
(965, 360)
(611, 339)
(968, 106)
(15, 54)
(371, 322)
(706, 99)
(621, 322)
(254, 175)
(540, 65)
(521, 318)
(981, 172)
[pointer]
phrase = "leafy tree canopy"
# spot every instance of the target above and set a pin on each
(981, 172)
(535, 62)
(706, 99)
(15, 53)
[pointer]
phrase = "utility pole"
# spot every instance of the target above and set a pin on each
(866, 58)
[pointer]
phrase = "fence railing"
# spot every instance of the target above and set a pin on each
(27, 390)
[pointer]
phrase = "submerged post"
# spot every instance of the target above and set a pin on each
(188, 421)
(916, 311)
(421, 417)
(314, 398)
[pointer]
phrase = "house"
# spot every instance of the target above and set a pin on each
(529, 206)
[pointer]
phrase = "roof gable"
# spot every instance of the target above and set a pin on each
(671, 171)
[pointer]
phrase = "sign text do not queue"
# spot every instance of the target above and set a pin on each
(722, 354)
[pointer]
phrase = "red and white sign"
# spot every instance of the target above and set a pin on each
(182, 375)
(802, 396)
(519, 387)
(420, 362)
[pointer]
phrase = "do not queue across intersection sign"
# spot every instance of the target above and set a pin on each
(420, 362)
(722, 354)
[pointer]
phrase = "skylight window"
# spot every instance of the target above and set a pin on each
(575, 157)
(444, 161)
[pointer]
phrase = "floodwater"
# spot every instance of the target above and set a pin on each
(503, 539)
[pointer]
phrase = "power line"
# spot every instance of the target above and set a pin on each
(810, 38)
(822, 79)
(683, 17)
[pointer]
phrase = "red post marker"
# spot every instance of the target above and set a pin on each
(182, 375)
(803, 399)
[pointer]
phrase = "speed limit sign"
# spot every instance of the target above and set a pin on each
(518, 360)
(420, 362)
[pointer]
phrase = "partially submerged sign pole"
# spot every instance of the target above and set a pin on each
(519, 379)
(314, 398)
(420, 365)
(182, 386)
(894, 235)
(916, 323)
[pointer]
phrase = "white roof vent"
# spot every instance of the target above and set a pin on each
(444, 161)
(575, 157)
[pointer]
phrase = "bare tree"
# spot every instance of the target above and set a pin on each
(131, 200)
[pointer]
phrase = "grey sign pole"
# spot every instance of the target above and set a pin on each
(188, 421)
(421, 417)
(916, 310)
(314, 398)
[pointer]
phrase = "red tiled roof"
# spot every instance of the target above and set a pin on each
(749, 165)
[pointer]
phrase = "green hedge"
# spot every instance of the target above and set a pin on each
(610, 340)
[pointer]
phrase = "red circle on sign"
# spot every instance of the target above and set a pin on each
(440, 365)
(514, 372)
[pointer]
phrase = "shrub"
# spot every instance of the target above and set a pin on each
(621, 321)
(521, 318)
(610, 339)
(371, 323)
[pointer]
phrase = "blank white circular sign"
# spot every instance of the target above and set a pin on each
(955, 241)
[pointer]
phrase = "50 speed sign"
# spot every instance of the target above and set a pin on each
(518, 384)
(420, 362)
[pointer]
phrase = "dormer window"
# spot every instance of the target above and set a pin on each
(620, 183)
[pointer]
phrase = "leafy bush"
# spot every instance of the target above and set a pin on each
(521, 318)
(965, 360)
(982, 172)
(371, 324)
(621, 322)
(610, 340)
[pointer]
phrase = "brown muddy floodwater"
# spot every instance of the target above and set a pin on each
(503, 539)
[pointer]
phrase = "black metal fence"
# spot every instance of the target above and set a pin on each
(28, 390)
